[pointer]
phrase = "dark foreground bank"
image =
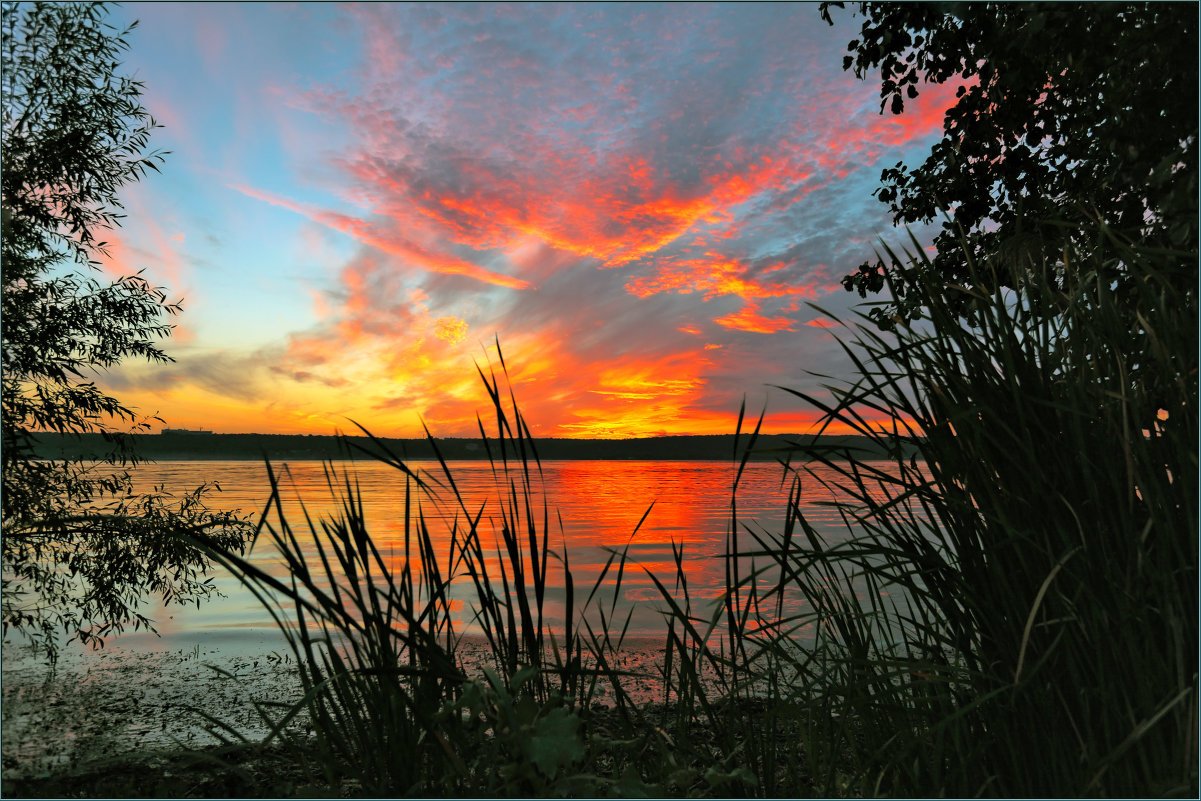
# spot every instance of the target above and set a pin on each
(175, 722)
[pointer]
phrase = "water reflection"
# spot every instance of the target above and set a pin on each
(599, 503)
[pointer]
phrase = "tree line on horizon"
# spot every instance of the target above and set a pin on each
(707, 447)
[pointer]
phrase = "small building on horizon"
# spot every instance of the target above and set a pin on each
(185, 431)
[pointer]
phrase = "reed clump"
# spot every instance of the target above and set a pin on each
(1043, 640)
(1012, 613)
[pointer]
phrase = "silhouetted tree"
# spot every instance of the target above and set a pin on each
(80, 549)
(1068, 115)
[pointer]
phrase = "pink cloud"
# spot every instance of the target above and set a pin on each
(389, 242)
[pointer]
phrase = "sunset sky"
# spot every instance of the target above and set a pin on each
(639, 201)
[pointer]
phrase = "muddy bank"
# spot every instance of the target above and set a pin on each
(144, 696)
(121, 700)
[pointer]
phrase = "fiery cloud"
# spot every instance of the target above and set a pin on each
(451, 330)
(749, 319)
(637, 202)
(391, 242)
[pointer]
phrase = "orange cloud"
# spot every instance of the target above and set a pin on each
(749, 319)
(393, 385)
(451, 329)
(714, 275)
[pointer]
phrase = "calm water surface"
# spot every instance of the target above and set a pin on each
(600, 504)
(130, 693)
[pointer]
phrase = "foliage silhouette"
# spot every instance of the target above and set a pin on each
(1010, 613)
(1067, 114)
(80, 548)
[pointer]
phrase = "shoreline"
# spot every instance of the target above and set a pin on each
(141, 696)
(297, 447)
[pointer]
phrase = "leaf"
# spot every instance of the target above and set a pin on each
(557, 743)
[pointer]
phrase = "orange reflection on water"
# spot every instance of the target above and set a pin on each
(600, 503)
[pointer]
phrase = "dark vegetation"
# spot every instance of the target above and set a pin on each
(1012, 611)
(1012, 615)
(1067, 114)
(280, 447)
(79, 549)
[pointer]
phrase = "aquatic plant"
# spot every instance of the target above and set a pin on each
(1039, 636)
(1013, 612)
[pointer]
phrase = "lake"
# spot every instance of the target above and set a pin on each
(130, 693)
(599, 503)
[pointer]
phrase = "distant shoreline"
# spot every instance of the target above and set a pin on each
(301, 447)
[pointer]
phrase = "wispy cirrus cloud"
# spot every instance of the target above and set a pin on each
(390, 241)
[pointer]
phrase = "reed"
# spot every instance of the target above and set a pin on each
(1013, 611)
(380, 641)
(1040, 633)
